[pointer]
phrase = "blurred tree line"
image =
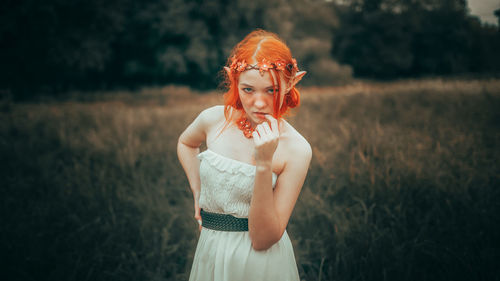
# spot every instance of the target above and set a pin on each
(58, 45)
(401, 38)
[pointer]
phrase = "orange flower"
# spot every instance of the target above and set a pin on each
(264, 65)
(241, 66)
(280, 65)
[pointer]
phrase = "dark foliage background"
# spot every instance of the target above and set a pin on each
(58, 45)
(404, 181)
(390, 39)
(403, 184)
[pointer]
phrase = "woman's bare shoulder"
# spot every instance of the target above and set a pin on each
(212, 115)
(295, 144)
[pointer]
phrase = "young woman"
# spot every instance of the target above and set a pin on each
(246, 183)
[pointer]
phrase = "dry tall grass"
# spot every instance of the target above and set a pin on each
(404, 184)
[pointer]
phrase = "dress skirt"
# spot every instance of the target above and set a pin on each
(229, 256)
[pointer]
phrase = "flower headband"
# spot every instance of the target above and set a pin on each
(263, 65)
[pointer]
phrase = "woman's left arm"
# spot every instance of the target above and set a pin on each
(271, 209)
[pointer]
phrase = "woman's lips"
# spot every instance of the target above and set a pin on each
(261, 115)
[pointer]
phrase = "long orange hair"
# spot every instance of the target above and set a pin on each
(257, 46)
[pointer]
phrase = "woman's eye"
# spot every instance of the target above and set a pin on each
(272, 91)
(247, 90)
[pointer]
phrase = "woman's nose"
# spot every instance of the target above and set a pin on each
(259, 101)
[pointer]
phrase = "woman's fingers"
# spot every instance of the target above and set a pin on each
(264, 135)
(197, 215)
(267, 129)
(256, 137)
(274, 124)
(266, 138)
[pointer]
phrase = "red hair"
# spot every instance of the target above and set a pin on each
(257, 46)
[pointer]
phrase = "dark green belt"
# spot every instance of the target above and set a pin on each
(223, 222)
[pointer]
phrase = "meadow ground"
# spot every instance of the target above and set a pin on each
(404, 184)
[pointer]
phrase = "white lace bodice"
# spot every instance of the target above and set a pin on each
(226, 184)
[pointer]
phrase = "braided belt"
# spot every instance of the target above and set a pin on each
(223, 222)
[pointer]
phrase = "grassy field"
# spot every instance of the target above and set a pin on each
(404, 184)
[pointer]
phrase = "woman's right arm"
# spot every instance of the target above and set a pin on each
(188, 147)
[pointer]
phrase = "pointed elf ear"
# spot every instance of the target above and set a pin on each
(296, 79)
(228, 71)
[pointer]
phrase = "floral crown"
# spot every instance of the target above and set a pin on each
(263, 65)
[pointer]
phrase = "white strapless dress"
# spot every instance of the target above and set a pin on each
(226, 188)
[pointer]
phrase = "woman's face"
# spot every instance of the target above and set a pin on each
(257, 94)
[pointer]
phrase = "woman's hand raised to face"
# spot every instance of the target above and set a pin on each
(266, 139)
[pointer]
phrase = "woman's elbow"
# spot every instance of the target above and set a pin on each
(264, 243)
(261, 246)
